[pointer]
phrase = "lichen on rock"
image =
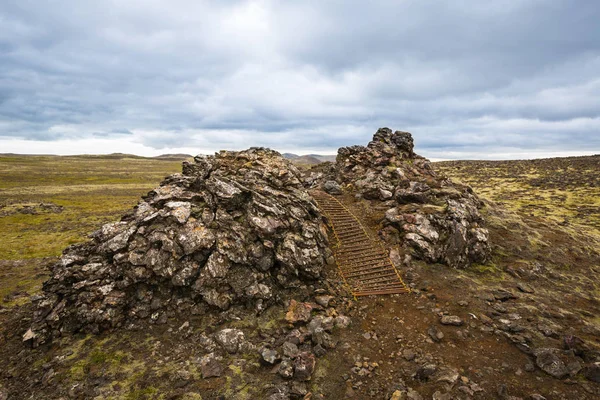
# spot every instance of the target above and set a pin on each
(233, 228)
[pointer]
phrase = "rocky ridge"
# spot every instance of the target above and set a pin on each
(236, 228)
(428, 216)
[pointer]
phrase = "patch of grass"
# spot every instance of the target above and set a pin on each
(485, 269)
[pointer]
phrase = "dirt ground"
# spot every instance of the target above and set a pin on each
(546, 255)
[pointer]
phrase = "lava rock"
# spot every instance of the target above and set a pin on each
(233, 228)
(298, 312)
(332, 187)
(451, 320)
(269, 356)
(342, 321)
(525, 288)
(425, 372)
(504, 295)
(450, 231)
(210, 366)
(304, 366)
(548, 360)
(230, 339)
(435, 334)
(290, 349)
(286, 368)
(592, 372)
(323, 300)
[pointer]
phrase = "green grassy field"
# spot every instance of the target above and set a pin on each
(83, 192)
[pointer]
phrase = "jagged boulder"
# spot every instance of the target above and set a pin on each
(233, 228)
(431, 217)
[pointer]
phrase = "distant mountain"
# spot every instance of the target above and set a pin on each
(306, 160)
(324, 158)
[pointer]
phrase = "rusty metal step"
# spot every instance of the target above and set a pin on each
(398, 290)
(365, 266)
(364, 263)
(371, 271)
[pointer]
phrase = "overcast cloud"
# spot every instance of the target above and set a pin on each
(469, 79)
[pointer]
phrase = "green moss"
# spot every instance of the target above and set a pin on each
(236, 370)
(191, 396)
(140, 394)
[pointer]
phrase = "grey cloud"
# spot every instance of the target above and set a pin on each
(466, 77)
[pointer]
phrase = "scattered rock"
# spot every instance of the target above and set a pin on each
(323, 300)
(319, 350)
(529, 367)
(290, 349)
(435, 334)
(332, 187)
(525, 288)
(323, 338)
(413, 395)
(210, 366)
(230, 339)
(269, 356)
(592, 372)
(408, 354)
(342, 321)
(441, 396)
(299, 389)
(425, 372)
(298, 312)
(398, 395)
(304, 365)
(537, 397)
(451, 320)
(448, 375)
(504, 295)
(286, 368)
(548, 360)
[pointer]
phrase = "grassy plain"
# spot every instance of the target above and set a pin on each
(80, 193)
(563, 190)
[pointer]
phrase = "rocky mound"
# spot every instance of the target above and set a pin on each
(234, 228)
(431, 217)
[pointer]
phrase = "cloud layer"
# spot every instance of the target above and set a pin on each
(512, 78)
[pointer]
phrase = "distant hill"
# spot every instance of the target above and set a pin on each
(177, 156)
(309, 159)
(112, 156)
(306, 160)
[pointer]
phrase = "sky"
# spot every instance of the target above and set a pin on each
(470, 79)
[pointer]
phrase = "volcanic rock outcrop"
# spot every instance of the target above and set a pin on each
(233, 228)
(431, 217)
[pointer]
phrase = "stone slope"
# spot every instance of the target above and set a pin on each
(234, 228)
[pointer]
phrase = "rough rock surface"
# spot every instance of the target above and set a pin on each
(432, 218)
(233, 228)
